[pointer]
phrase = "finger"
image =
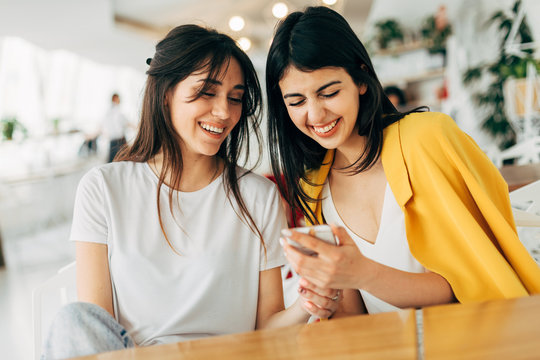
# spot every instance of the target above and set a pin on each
(298, 260)
(321, 301)
(315, 310)
(342, 235)
(329, 293)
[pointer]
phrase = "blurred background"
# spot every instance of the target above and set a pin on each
(61, 61)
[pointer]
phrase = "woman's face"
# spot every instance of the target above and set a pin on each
(204, 124)
(323, 103)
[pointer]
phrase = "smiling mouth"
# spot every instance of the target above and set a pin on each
(325, 129)
(212, 129)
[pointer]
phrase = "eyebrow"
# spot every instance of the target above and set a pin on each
(318, 90)
(217, 82)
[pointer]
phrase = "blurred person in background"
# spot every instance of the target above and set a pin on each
(114, 127)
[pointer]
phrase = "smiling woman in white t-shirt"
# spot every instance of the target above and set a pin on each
(174, 240)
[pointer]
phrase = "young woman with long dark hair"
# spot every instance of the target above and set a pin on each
(174, 241)
(422, 214)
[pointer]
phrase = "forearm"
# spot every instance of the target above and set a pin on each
(404, 289)
(351, 304)
(294, 314)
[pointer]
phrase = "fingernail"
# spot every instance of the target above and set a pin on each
(286, 232)
(308, 304)
(301, 290)
(302, 282)
(281, 241)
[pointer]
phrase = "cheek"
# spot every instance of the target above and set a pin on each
(297, 118)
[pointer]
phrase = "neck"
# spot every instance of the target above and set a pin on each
(197, 171)
(349, 151)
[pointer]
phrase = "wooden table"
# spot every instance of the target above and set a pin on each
(501, 329)
(383, 336)
(517, 176)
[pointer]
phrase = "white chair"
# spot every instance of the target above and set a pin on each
(526, 205)
(526, 208)
(54, 293)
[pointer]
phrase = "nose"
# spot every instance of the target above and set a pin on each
(316, 112)
(220, 107)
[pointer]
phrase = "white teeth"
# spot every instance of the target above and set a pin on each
(211, 128)
(327, 128)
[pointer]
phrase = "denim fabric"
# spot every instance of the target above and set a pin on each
(81, 329)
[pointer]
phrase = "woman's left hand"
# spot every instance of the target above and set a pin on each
(321, 303)
(335, 267)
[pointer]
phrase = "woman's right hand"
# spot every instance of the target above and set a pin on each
(335, 267)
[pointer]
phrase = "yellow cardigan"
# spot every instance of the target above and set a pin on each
(458, 218)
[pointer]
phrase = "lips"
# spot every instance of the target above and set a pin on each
(212, 129)
(327, 129)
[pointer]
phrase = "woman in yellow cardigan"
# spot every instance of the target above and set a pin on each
(422, 215)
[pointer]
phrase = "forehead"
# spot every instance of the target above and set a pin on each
(294, 78)
(230, 73)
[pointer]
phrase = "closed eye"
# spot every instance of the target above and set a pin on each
(330, 95)
(297, 103)
(207, 94)
(235, 100)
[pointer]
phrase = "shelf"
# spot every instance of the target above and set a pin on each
(402, 49)
(427, 75)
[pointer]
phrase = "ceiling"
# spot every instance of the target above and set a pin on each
(156, 17)
(124, 32)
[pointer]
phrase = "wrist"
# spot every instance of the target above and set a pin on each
(368, 274)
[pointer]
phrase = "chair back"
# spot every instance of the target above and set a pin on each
(48, 298)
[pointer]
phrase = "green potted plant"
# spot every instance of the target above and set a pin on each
(507, 65)
(388, 31)
(9, 125)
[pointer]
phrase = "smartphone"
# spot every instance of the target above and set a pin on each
(322, 232)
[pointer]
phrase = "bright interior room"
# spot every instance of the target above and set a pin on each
(67, 67)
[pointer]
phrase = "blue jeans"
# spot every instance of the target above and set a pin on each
(81, 329)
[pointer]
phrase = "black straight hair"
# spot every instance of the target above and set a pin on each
(313, 39)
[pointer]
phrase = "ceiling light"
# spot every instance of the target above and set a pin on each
(279, 10)
(244, 43)
(236, 23)
(329, 2)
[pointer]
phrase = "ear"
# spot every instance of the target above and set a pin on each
(362, 88)
(167, 98)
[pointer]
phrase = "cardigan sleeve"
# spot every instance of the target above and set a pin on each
(459, 220)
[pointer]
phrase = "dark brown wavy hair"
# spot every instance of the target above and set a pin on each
(187, 49)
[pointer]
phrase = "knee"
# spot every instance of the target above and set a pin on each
(77, 314)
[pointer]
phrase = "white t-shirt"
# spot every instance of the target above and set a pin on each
(114, 123)
(390, 248)
(212, 287)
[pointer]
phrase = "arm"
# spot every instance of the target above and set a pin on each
(344, 267)
(93, 279)
(270, 308)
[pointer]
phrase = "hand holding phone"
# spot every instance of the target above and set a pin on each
(322, 232)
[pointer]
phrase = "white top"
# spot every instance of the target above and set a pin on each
(162, 297)
(390, 248)
(114, 123)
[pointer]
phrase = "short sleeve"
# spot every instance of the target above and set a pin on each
(273, 221)
(89, 214)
